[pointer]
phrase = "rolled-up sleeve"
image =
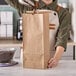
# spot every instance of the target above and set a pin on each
(63, 30)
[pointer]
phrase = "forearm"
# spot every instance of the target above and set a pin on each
(59, 52)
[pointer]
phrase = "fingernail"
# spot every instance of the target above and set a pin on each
(48, 63)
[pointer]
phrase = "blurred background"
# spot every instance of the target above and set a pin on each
(13, 27)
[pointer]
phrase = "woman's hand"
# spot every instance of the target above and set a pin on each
(26, 2)
(53, 62)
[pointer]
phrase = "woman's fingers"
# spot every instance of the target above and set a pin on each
(50, 60)
(52, 63)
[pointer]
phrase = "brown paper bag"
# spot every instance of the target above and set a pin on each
(36, 51)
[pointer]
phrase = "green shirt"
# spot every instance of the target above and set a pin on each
(63, 14)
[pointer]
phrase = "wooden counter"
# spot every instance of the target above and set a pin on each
(10, 43)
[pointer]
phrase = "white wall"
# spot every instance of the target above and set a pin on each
(73, 10)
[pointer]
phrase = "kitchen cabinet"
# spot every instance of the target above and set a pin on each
(6, 24)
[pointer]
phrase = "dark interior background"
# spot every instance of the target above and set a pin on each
(2, 2)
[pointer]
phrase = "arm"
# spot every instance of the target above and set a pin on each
(59, 52)
(62, 37)
(53, 62)
(14, 3)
